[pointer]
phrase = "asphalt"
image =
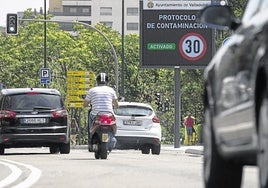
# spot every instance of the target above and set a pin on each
(195, 149)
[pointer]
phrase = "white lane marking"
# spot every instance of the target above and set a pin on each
(31, 179)
(15, 174)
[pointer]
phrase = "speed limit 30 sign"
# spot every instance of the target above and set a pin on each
(172, 36)
(192, 46)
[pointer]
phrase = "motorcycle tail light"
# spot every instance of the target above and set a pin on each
(60, 113)
(106, 119)
(7, 114)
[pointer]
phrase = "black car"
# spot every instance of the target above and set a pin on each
(33, 117)
(235, 132)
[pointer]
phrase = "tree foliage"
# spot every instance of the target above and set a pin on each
(238, 6)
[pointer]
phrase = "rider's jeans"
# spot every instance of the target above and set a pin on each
(90, 121)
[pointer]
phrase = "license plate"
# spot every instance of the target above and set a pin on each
(34, 120)
(132, 122)
(105, 137)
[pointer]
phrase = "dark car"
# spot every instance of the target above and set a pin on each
(235, 132)
(33, 117)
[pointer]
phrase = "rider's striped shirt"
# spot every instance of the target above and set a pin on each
(101, 98)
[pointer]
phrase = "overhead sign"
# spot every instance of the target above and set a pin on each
(171, 36)
(78, 82)
(45, 75)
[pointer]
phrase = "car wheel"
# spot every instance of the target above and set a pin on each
(54, 149)
(145, 150)
(156, 149)
(263, 143)
(65, 148)
(218, 172)
(2, 150)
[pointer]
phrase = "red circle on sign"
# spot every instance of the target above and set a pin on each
(187, 45)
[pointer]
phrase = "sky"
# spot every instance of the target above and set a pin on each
(14, 6)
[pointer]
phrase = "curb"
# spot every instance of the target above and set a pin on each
(194, 151)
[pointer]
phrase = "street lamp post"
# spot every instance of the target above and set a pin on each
(123, 50)
(45, 35)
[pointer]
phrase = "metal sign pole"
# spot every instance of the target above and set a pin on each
(177, 88)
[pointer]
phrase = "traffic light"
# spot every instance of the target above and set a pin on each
(12, 24)
(148, 98)
(158, 102)
(166, 106)
(157, 97)
(160, 107)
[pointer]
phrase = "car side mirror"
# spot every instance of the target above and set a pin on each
(218, 17)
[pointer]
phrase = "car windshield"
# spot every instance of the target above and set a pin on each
(133, 111)
(32, 101)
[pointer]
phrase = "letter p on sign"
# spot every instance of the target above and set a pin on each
(45, 75)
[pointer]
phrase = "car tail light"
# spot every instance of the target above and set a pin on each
(32, 92)
(7, 114)
(106, 119)
(60, 113)
(156, 119)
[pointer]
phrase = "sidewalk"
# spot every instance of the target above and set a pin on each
(195, 150)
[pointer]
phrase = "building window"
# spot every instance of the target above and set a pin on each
(87, 22)
(76, 10)
(106, 11)
(85, 10)
(110, 24)
(132, 11)
(132, 26)
(73, 10)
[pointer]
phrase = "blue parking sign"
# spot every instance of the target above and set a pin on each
(45, 75)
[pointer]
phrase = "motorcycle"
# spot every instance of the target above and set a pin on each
(101, 139)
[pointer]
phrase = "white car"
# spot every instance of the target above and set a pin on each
(138, 127)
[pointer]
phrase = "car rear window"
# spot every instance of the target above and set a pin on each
(133, 111)
(30, 101)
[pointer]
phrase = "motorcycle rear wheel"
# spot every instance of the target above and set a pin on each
(97, 154)
(103, 150)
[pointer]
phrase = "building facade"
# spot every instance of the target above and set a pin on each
(107, 12)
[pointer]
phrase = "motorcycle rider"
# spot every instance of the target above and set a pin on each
(101, 98)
